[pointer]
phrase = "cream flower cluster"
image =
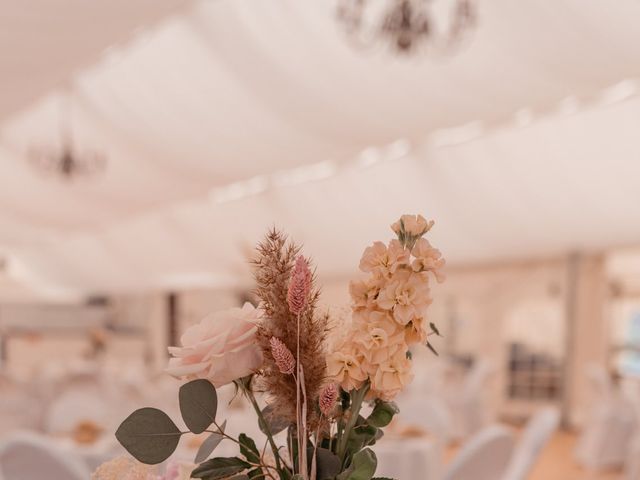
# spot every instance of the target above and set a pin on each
(122, 468)
(388, 311)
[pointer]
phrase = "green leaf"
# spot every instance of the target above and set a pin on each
(255, 473)
(198, 404)
(221, 467)
(210, 444)
(285, 474)
(248, 448)
(430, 347)
(382, 414)
(363, 465)
(328, 464)
(149, 435)
(361, 436)
(275, 423)
(434, 328)
(382, 478)
(240, 477)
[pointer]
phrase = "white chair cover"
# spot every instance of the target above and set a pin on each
(484, 457)
(607, 435)
(600, 381)
(429, 413)
(467, 403)
(26, 456)
(75, 406)
(535, 436)
(19, 410)
(405, 459)
(632, 464)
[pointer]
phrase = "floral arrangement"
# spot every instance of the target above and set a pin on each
(318, 377)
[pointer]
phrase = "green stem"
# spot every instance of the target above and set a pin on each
(267, 432)
(220, 432)
(357, 398)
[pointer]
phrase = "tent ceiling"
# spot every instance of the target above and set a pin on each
(238, 90)
(42, 43)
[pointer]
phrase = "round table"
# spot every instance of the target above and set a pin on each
(93, 455)
(403, 458)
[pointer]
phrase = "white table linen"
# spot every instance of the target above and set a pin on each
(403, 458)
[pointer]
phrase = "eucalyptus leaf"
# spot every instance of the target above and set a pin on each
(328, 464)
(221, 467)
(434, 329)
(382, 414)
(248, 448)
(198, 404)
(240, 477)
(382, 478)
(149, 435)
(363, 465)
(210, 444)
(361, 436)
(275, 423)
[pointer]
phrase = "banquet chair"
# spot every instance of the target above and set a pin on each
(467, 404)
(77, 405)
(484, 457)
(535, 436)
(632, 463)
(27, 456)
(608, 432)
(429, 413)
(19, 410)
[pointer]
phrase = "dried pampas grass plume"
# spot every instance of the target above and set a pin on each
(279, 269)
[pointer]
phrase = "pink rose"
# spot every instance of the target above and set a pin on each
(221, 348)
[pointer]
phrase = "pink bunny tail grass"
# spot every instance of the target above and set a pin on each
(282, 356)
(299, 286)
(328, 399)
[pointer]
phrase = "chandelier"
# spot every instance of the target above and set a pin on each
(65, 160)
(407, 26)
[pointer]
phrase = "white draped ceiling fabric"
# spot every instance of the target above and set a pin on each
(222, 118)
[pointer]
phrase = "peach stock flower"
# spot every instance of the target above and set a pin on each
(392, 376)
(414, 225)
(406, 295)
(364, 292)
(378, 334)
(427, 259)
(388, 311)
(345, 366)
(221, 348)
(414, 331)
(382, 259)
